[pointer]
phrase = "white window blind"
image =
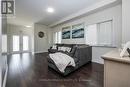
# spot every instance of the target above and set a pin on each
(99, 34)
(57, 37)
(105, 33)
(91, 34)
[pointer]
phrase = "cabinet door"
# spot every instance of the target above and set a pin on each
(116, 74)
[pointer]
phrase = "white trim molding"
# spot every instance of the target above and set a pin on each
(40, 52)
(5, 77)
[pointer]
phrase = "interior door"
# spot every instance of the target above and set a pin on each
(25, 43)
(20, 43)
(16, 43)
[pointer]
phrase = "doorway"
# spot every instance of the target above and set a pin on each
(20, 43)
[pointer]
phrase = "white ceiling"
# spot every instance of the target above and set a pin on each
(34, 11)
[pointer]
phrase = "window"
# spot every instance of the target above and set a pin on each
(99, 34)
(57, 37)
(4, 43)
(105, 33)
(91, 34)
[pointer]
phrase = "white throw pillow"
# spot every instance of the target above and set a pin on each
(68, 49)
(59, 48)
(62, 49)
(54, 47)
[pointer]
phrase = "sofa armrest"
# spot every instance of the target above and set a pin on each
(84, 54)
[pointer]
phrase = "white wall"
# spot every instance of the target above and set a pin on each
(125, 21)
(113, 13)
(17, 30)
(3, 60)
(41, 44)
(36, 44)
(0, 47)
(4, 35)
(98, 51)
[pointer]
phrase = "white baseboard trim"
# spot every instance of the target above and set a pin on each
(41, 52)
(18, 52)
(98, 62)
(5, 77)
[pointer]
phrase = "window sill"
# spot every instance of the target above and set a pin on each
(105, 46)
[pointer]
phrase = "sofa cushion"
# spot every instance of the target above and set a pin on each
(62, 48)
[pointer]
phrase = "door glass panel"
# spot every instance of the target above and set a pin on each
(4, 43)
(16, 43)
(25, 43)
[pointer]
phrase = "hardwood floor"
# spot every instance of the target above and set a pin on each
(27, 70)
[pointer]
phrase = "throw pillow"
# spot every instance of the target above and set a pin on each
(68, 49)
(62, 49)
(54, 47)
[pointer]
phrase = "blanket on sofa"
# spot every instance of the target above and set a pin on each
(62, 60)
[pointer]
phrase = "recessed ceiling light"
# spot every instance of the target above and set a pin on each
(28, 26)
(50, 10)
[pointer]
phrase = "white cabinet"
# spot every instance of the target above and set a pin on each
(116, 70)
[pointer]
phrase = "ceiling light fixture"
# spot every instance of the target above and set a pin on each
(28, 26)
(50, 10)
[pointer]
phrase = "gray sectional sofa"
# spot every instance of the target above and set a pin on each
(81, 53)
